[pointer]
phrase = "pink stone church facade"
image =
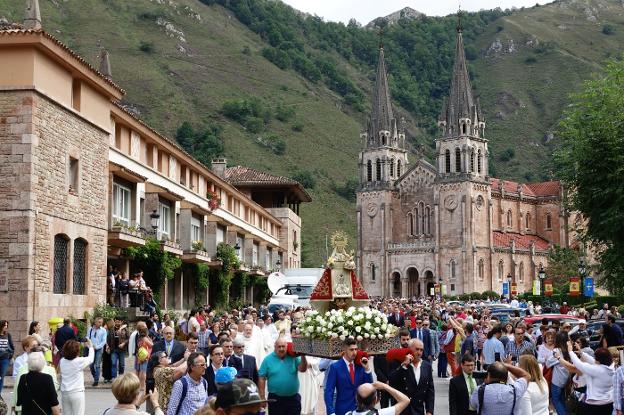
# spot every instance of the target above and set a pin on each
(419, 223)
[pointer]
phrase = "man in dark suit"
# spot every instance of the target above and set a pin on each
(423, 335)
(414, 378)
(215, 363)
(344, 377)
(228, 354)
(380, 366)
(248, 369)
(461, 388)
(64, 333)
(396, 318)
(174, 349)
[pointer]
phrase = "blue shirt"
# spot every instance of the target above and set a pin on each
(196, 397)
(490, 347)
(97, 337)
(498, 397)
(281, 374)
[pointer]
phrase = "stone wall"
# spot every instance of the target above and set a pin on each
(37, 139)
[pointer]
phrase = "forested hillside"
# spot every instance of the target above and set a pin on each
(275, 89)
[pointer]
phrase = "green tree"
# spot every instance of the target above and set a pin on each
(562, 264)
(204, 144)
(305, 178)
(591, 164)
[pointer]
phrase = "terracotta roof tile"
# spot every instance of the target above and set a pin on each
(240, 175)
(503, 240)
(16, 30)
(550, 188)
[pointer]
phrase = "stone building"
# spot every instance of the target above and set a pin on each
(80, 177)
(420, 224)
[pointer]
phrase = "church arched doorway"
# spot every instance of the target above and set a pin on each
(429, 278)
(396, 284)
(412, 283)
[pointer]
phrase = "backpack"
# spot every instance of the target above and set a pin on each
(481, 395)
(185, 390)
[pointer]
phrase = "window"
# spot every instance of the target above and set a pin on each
(422, 218)
(452, 288)
(453, 269)
(121, 204)
(416, 222)
(220, 234)
(392, 168)
(481, 269)
(369, 171)
(464, 128)
(267, 258)
(399, 168)
(447, 160)
(427, 219)
(373, 276)
(528, 221)
(509, 218)
(457, 160)
(472, 161)
(80, 266)
(479, 161)
(548, 221)
(521, 272)
(73, 175)
(501, 270)
(164, 223)
(241, 244)
(61, 244)
(378, 169)
(383, 139)
(410, 223)
(255, 255)
(195, 230)
(76, 87)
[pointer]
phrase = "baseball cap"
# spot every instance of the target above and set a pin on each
(241, 392)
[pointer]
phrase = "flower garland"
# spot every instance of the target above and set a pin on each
(359, 323)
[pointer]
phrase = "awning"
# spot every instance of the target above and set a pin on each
(162, 192)
(125, 173)
(185, 204)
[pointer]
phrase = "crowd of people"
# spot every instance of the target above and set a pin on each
(124, 291)
(242, 362)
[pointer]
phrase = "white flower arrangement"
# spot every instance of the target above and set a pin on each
(358, 323)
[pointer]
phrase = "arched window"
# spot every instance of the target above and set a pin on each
(457, 160)
(416, 222)
(410, 223)
(399, 168)
(392, 168)
(521, 272)
(447, 160)
(80, 266)
(372, 272)
(453, 269)
(528, 221)
(378, 169)
(548, 221)
(479, 161)
(383, 139)
(427, 219)
(472, 161)
(481, 269)
(501, 270)
(509, 218)
(369, 171)
(464, 128)
(422, 217)
(61, 245)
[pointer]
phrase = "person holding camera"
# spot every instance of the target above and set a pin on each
(72, 368)
(344, 377)
(368, 396)
(497, 396)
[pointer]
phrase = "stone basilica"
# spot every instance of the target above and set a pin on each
(419, 224)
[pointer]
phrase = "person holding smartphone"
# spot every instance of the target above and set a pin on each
(493, 348)
(519, 345)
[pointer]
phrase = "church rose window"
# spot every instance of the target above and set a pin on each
(60, 263)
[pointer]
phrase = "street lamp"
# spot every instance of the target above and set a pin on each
(541, 275)
(278, 264)
(154, 217)
(582, 270)
(509, 279)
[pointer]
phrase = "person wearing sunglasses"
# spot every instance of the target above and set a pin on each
(190, 392)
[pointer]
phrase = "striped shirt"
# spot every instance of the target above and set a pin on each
(203, 339)
(618, 389)
(196, 396)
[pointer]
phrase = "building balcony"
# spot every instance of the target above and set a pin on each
(199, 256)
(171, 247)
(257, 271)
(411, 246)
(124, 236)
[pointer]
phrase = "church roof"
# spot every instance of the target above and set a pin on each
(503, 240)
(240, 176)
(381, 116)
(550, 188)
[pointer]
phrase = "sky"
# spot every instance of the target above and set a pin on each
(366, 10)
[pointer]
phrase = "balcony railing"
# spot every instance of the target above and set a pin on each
(407, 246)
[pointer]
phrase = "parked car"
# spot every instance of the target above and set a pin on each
(594, 328)
(506, 314)
(536, 320)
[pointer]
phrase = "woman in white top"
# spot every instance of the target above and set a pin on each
(72, 377)
(598, 373)
(545, 350)
(535, 399)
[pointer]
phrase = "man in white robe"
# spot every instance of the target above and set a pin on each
(253, 344)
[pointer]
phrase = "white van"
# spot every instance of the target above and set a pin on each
(293, 288)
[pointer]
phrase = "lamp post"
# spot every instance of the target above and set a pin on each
(582, 273)
(154, 220)
(278, 264)
(509, 279)
(542, 276)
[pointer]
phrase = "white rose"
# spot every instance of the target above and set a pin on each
(376, 329)
(351, 309)
(330, 325)
(318, 329)
(341, 328)
(360, 338)
(377, 320)
(384, 326)
(350, 323)
(327, 314)
(369, 316)
(367, 325)
(358, 329)
(379, 336)
(348, 314)
(342, 337)
(334, 335)
(366, 335)
(323, 323)
(339, 319)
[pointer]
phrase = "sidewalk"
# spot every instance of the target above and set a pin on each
(88, 378)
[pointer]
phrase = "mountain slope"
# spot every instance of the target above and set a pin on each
(181, 60)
